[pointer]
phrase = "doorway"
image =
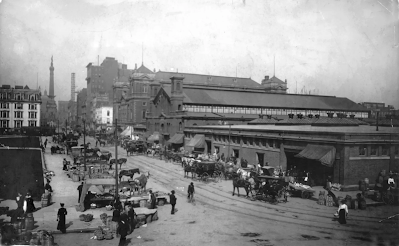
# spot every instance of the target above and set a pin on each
(260, 158)
(236, 153)
(208, 146)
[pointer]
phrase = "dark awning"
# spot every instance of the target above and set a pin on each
(197, 142)
(178, 138)
(322, 153)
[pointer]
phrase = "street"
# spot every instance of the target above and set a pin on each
(218, 218)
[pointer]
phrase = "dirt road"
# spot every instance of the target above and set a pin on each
(218, 218)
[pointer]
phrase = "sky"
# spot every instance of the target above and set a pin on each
(330, 47)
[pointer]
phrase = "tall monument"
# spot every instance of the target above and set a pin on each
(51, 95)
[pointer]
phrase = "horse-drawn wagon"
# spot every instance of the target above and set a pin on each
(269, 188)
(304, 191)
(208, 169)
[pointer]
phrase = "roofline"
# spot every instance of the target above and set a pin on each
(220, 76)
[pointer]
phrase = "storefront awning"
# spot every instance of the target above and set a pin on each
(324, 154)
(197, 142)
(178, 138)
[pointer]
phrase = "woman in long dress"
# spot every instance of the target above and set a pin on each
(61, 216)
(342, 212)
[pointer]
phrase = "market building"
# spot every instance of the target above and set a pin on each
(103, 116)
(176, 105)
(346, 153)
(19, 107)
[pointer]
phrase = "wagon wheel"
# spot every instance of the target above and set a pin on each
(216, 175)
(205, 177)
(253, 194)
(305, 195)
(388, 198)
(161, 202)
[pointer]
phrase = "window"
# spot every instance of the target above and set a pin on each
(180, 126)
(396, 150)
(217, 149)
(162, 127)
(17, 123)
(108, 121)
(178, 86)
(4, 105)
(4, 123)
(18, 114)
(4, 114)
(32, 122)
(236, 153)
(32, 115)
(385, 150)
(145, 89)
(363, 150)
(144, 104)
(32, 106)
(18, 96)
(144, 114)
(18, 106)
(373, 150)
(32, 97)
(107, 112)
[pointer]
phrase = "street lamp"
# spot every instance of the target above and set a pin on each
(378, 113)
(228, 150)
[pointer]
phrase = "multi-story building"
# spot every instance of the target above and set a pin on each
(81, 106)
(100, 80)
(103, 116)
(380, 108)
(175, 105)
(19, 107)
(62, 112)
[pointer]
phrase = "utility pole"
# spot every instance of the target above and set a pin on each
(84, 144)
(228, 150)
(378, 113)
(116, 159)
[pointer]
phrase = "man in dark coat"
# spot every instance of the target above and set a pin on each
(122, 231)
(29, 207)
(131, 215)
(153, 200)
(172, 199)
(61, 217)
(80, 187)
(45, 143)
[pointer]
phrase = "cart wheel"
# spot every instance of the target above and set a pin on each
(217, 177)
(305, 195)
(161, 202)
(388, 198)
(205, 177)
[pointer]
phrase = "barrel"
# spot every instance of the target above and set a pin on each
(29, 222)
(44, 202)
(114, 226)
(75, 177)
(362, 185)
(143, 203)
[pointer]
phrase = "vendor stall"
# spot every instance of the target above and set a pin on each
(103, 185)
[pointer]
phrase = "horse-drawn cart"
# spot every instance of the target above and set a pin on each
(303, 191)
(269, 188)
(208, 169)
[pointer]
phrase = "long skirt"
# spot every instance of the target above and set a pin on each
(342, 216)
(61, 225)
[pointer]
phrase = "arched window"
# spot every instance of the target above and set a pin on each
(179, 107)
(180, 126)
(32, 97)
(162, 127)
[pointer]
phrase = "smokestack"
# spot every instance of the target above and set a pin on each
(73, 87)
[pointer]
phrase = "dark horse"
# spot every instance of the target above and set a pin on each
(240, 183)
(189, 169)
(129, 173)
(273, 190)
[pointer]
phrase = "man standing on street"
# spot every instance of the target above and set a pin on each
(80, 187)
(172, 199)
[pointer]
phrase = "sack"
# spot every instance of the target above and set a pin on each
(336, 214)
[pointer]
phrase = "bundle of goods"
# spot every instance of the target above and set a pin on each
(329, 201)
(93, 205)
(46, 199)
(336, 187)
(45, 238)
(86, 217)
(4, 210)
(322, 198)
(108, 235)
(99, 234)
(108, 207)
(103, 218)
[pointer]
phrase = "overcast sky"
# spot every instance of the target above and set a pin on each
(342, 48)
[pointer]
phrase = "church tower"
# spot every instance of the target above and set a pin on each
(51, 95)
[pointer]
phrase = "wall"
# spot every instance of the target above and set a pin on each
(21, 170)
(26, 142)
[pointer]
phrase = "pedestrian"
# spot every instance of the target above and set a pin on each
(131, 215)
(61, 216)
(122, 231)
(48, 186)
(191, 192)
(153, 200)
(42, 147)
(80, 188)
(45, 143)
(19, 200)
(172, 200)
(342, 212)
(29, 207)
(64, 163)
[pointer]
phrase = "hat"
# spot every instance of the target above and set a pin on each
(173, 192)
(62, 204)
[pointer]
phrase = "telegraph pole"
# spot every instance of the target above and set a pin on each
(116, 159)
(84, 144)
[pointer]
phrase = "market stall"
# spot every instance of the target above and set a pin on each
(103, 186)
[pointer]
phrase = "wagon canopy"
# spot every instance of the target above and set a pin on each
(198, 141)
(324, 154)
(178, 138)
(154, 137)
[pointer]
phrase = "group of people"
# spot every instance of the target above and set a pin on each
(25, 206)
(125, 219)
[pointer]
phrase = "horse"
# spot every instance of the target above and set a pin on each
(129, 173)
(241, 183)
(87, 145)
(105, 157)
(141, 181)
(273, 189)
(189, 167)
(120, 162)
(102, 142)
(131, 149)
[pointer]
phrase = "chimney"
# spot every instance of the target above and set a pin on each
(299, 116)
(317, 116)
(310, 116)
(352, 116)
(291, 116)
(286, 81)
(260, 116)
(135, 66)
(269, 116)
(330, 115)
(267, 77)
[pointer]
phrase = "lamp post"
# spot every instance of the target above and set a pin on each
(228, 150)
(84, 144)
(378, 113)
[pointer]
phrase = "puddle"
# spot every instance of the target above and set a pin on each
(363, 239)
(191, 222)
(250, 234)
(172, 233)
(325, 232)
(308, 237)
(148, 239)
(327, 237)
